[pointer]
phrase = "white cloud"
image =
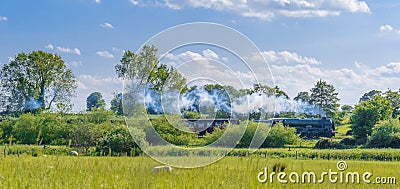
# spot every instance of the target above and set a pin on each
(210, 54)
(308, 13)
(98, 1)
(49, 46)
(351, 5)
(292, 73)
(391, 69)
(134, 2)
(107, 25)
(105, 54)
(3, 18)
(63, 49)
(266, 10)
(350, 84)
(388, 28)
(196, 67)
(281, 57)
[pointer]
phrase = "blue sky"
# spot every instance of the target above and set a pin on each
(353, 44)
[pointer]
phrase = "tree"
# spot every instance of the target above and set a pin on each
(37, 80)
(145, 74)
(144, 69)
(280, 93)
(367, 114)
(325, 96)
(370, 95)
(394, 98)
(347, 108)
(116, 104)
(303, 96)
(263, 89)
(95, 101)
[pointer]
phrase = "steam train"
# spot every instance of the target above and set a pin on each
(306, 127)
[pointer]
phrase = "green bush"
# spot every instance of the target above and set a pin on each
(119, 140)
(280, 135)
(367, 114)
(385, 135)
(170, 133)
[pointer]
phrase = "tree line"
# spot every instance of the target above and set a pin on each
(38, 85)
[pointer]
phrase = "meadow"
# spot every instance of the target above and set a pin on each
(27, 171)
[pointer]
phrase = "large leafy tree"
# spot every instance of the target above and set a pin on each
(367, 114)
(144, 69)
(145, 72)
(95, 101)
(37, 80)
(325, 96)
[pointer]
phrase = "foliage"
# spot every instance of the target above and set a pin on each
(303, 96)
(118, 139)
(26, 130)
(170, 133)
(347, 108)
(270, 91)
(144, 69)
(367, 114)
(394, 98)
(191, 115)
(116, 104)
(325, 96)
(343, 117)
(98, 116)
(370, 95)
(78, 130)
(326, 143)
(95, 101)
(37, 80)
(280, 135)
(385, 135)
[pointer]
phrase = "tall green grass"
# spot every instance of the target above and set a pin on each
(127, 172)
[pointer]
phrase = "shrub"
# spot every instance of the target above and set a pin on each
(118, 139)
(280, 135)
(170, 133)
(277, 135)
(326, 143)
(385, 135)
(348, 141)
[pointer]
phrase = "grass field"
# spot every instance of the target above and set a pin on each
(136, 172)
